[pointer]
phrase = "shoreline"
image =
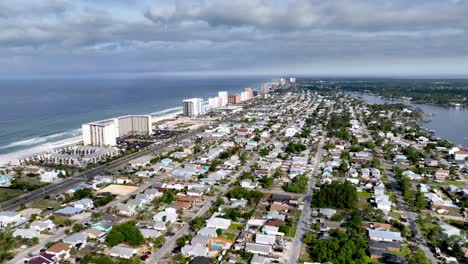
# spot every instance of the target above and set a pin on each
(424, 122)
(6, 158)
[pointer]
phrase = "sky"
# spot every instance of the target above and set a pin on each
(88, 38)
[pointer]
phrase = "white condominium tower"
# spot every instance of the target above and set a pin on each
(134, 125)
(223, 98)
(193, 107)
(100, 133)
(105, 132)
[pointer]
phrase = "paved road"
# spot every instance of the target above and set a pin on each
(59, 234)
(51, 189)
(411, 216)
(161, 252)
(306, 212)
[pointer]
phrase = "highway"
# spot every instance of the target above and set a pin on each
(67, 183)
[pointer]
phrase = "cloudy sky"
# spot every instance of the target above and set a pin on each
(59, 38)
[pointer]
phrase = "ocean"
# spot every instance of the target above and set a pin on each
(38, 114)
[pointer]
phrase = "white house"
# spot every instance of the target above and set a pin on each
(43, 225)
(50, 175)
(265, 239)
(195, 251)
(78, 240)
(84, 204)
(218, 223)
(206, 231)
(247, 183)
(10, 218)
(290, 132)
(379, 235)
(169, 215)
(123, 252)
(124, 209)
(26, 233)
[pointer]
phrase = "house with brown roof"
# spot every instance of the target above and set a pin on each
(60, 250)
(274, 222)
(182, 198)
(278, 206)
(441, 174)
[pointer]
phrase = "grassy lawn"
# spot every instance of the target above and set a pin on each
(229, 235)
(304, 255)
(62, 220)
(236, 226)
(7, 194)
(364, 195)
(44, 203)
(448, 182)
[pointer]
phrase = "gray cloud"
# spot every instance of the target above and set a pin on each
(54, 37)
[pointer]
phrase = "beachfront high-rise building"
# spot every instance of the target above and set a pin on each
(223, 98)
(292, 80)
(264, 89)
(247, 94)
(234, 99)
(193, 107)
(134, 125)
(105, 132)
(100, 133)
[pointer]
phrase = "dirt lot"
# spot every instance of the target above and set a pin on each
(120, 190)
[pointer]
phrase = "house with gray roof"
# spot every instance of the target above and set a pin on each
(123, 252)
(380, 235)
(78, 240)
(26, 233)
(258, 248)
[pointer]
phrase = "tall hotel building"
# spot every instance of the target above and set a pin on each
(100, 133)
(134, 125)
(193, 107)
(247, 94)
(223, 98)
(234, 99)
(105, 132)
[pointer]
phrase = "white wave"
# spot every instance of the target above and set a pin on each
(165, 111)
(6, 158)
(37, 140)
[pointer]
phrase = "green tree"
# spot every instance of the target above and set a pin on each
(267, 182)
(181, 241)
(114, 238)
(159, 241)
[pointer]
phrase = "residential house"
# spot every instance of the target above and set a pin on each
(379, 235)
(258, 248)
(84, 204)
(77, 240)
(93, 233)
(265, 239)
(125, 210)
(61, 251)
(10, 218)
(441, 174)
(248, 184)
(43, 258)
(195, 251)
(207, 231)
(43, 225)
(29, 233)
(69, 211)
(123, 252)
(218, 223)
(102, 225)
